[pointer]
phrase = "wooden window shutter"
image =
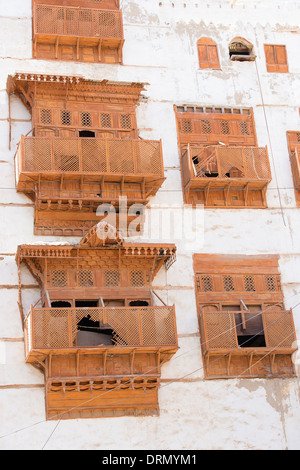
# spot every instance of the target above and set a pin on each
(276, 58)
(208, 54)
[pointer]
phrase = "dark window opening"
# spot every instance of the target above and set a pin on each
(86, 303)
(87, 134)
(61, 304)
(92, 333)
(257, 341)
(209, 174)
(241, 49)
(139, 303)
(250, 330)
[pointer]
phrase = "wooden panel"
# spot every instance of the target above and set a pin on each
(78, 31)
(98, 4)
(208, 54)
(276, 58)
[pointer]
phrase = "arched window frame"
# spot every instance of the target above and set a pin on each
(208, 54)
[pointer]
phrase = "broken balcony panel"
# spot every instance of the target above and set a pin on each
(96, 327)
(224, 176)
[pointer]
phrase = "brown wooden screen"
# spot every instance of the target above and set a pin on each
(220, 333)
(79, 22)
(85, 155)
(56, 328)
(208, 54)
(248, 163)
(205, 127)
(276, 58)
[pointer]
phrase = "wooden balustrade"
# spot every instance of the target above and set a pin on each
(68, 155)
(231, 331)
(77, 33)
(224, 176)
(55, 329)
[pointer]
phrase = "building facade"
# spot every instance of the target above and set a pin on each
(149, 206)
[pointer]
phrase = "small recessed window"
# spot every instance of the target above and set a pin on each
(86, 119)
(241, 50)
(66, 118)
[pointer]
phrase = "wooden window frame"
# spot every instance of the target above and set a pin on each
(208, 55)
(273, 60)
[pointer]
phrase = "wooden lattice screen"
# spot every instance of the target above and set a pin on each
(56, 328)
(79, 31)
(245, 329)
(203, 125)
(220, 161)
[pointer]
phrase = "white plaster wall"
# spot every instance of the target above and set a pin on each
(160, 49)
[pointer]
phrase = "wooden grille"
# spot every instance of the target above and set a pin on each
(89, 155)
(247, 163)
(78, 22)
(59, 278)
(143, 326)
(85, 278)
(69, 122)
(106, 120)
(230, 127)
(66, 118)
(137, 278)
(86, 120)
(220, 329)
(112, 278)
(46, 116)
(238, 282)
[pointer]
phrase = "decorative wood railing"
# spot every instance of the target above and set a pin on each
(51, 329)
(220, 331)
(59, 21)
(216, 163)
(88, 156)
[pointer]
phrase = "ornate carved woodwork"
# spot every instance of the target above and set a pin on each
(245, 329)
(77, 30)
(84, 152)
(220, 161)
(293, 140)
(96, 330)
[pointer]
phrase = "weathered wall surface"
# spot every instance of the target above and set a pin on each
(160, 49)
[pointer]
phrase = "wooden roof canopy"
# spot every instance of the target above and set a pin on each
(31, 86)
(159, 253)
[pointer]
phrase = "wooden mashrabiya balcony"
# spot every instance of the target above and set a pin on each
(113, 370)
(45, 164)
(76, 26)
(248, 344)
(218, 171)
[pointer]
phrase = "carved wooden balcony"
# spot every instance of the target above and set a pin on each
(248, 343)
(77, 33)
(76, 175)
(109, 369)
(225, 176)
